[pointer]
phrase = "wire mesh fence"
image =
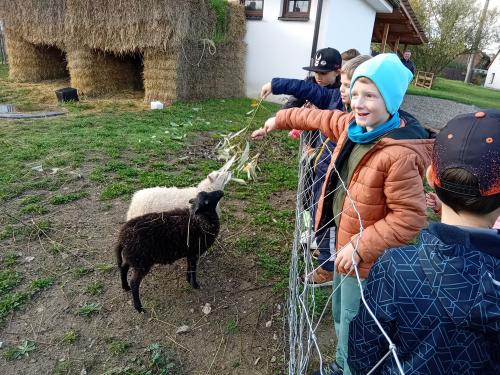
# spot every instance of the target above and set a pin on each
(305, 310)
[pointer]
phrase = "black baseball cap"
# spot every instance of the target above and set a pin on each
(471, 142)
(325, 60)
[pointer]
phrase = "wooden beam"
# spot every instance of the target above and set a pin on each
(396, 45)
(384, 38)
(410, 18)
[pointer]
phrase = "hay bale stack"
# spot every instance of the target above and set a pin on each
(35, 21)
(99, 36)
(222, 74)
(160, 75)
(130, 25)
(95, 72)
(32, 63)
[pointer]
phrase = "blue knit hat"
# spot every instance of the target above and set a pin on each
(389, 75)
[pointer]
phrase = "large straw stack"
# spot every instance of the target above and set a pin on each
(104, 40)
(32, 63)
(222, 74)
(160, 75)
(95, 73)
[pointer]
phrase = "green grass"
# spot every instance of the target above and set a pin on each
(458, 91)
(89, 309)
(21, 351)
(13, 298)
(119, 347)
(95, 288)
(67, 198)
(118, 152)
(70, 337)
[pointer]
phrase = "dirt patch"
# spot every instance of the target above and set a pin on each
(243, 333)
(283, 200)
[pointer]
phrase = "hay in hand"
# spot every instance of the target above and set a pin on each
(235, 149)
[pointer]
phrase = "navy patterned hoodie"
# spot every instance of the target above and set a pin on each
(439, 302)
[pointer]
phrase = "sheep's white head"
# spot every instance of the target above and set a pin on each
(219, 178)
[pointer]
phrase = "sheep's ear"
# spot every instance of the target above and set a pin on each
(191, 201)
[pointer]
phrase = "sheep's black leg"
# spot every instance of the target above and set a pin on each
(123, 273)
(135, 282)
(191, 271)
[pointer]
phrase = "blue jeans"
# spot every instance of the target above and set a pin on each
(345, 306)
(323, 241)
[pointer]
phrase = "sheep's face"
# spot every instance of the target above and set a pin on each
(219, 179)
(206, 201)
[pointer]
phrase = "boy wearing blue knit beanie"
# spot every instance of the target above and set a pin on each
(381, 159)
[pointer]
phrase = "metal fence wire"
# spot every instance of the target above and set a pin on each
(304, 316)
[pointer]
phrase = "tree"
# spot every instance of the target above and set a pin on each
(450, 27)
(475, 43)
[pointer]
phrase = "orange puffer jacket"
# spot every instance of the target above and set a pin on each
(386, 185)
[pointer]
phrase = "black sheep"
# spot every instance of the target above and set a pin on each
(165, 237)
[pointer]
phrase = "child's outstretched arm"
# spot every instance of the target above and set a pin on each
(320, 96)
(269, 126)
(330, 123)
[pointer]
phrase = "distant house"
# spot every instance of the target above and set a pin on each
(493, 75)
(281, 33)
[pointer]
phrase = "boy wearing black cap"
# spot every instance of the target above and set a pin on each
(326, 73)
(439, 300)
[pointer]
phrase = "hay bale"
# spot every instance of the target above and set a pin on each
(128, 25)
(160, 75)
(99, 34)
(36, 21)
(220, 75)
(33, 63)
(95, 72)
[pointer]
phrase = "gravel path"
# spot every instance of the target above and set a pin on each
(432, 112)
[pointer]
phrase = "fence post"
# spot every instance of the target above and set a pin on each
(3, 50)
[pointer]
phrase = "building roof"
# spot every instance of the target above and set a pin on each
(403, 24)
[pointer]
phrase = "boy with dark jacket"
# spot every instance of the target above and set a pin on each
(439, 300)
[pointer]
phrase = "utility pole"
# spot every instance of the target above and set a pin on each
(477, 39)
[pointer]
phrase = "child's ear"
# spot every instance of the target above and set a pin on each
(428, 175)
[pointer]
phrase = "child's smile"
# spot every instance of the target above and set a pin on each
(368, 105)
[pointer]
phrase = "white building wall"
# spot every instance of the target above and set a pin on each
(349, 24)
(278, 48)
(493, 76)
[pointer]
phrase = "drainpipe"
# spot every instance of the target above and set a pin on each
(316, 28)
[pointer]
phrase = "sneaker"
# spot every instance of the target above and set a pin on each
(305, 239)
(331, 369)
(314, 245)
(319, 278)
